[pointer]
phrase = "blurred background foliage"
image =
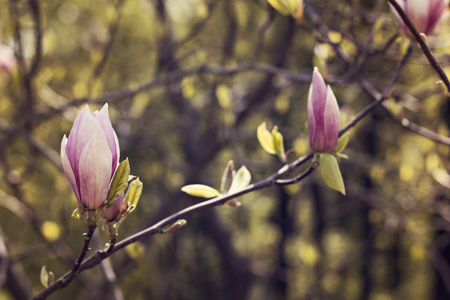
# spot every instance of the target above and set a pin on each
(188, 82)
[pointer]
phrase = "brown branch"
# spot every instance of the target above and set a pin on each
(100, 255)
(423, 131)
(379, 98)
(369, 88)
(298, 178)
(175, 76)
(69, 276)
(275, 179)
(84, 251)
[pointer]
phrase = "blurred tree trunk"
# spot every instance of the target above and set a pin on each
(370, 144)
(284, 220)
(317, 234)
(237, 275)
(440, 290)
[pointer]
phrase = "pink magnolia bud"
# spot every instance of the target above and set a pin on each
(424, 14)
(90, 157)
(114, 213)
(323, 115)
(7, 59)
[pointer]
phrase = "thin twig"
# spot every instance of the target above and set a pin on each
(69, 276)
(100, 255)
(299, 177)
(177, 75)
(84, 251)
(112, 243)
(369, 88)
(380, 98)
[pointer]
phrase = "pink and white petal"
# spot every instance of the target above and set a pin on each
(103, 119)
(319, 96)
(436, 11)
(397, 16)
(112, 212)
(68, 169)
(83, 129)
(311, 120)
(331, 121)
(418, 11)
(115, 162)
(95, 172)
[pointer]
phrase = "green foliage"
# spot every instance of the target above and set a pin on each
(342, 142)
(266, 139)
(271, 142)
(200, 190)
(119, 182)
(331, 173)
(44, 276)
(133, 194)
(241, 180)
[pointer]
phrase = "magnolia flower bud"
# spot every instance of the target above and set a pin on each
(424, 14)
(90, 157)
(323, 115)
(115, 212)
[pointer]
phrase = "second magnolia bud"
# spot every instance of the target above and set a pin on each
(424, 14)
(323, 115)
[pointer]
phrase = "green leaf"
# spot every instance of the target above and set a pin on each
(76, 214)
(200, 190)
(44, 276)
(278, 143)
(227, 177)
(265, 138)
(342, 142)
(331, 173)
(341, 155)
(119, 182)
(241, 180)
(133, 194)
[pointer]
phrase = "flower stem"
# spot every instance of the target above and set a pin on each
(84, 251)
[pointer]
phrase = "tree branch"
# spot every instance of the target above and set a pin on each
(69, 276)
(275, 179)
